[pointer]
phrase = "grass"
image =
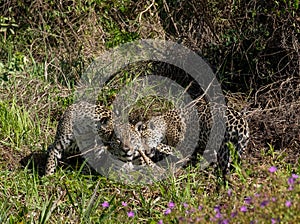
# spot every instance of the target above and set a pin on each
(70, 197)
(252, 193)
(263, 189)
(17, 126)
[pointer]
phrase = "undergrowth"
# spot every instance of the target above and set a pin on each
(269, 195)
(45, 47)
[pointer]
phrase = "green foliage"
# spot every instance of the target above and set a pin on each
(17, 127)
(244, 41)
(66, 35)
(15, 65)
(119, 37)
(47, 43)
(187, 197)
(117, 34)
(236, 163)
(7, 26)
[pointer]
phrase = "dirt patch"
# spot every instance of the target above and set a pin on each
(9, 158)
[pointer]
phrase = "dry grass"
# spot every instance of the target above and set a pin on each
(274, 118)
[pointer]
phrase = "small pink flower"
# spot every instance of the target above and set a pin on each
(105, 204)
(291, 181)
(185, 205)
(243, 209)
(229, 192)
(130, 214)
(288, 204)
(200, 207)
(295, 176)
(167, 211)
(225, 221)
(272, 169)
(264, 203)
(160, 222)
(124, 203)
(171, 204)
(217, 209)
(248, 200)
(233, 214)
(218, 215)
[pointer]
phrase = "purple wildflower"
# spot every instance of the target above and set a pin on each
(171, 205)
(264, 203)
(105, 204)
(243, 209)
(273, 221)
(272, 169)
(291, 181)
(185, 205)
(291, 188)
(124, 203)
(225, 221)
(217, 208)
(248, 200)
(273, 199)
(218, 215)
(130, 214)
(200, 207)
(288, 204)
(167, 211)
(257, 195)
(160, 222)
(295, 176)
(233, 214)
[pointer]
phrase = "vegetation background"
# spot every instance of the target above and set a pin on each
(253, 47)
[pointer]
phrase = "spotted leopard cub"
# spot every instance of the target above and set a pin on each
(122, 141)
(64, 144)
(165, 132)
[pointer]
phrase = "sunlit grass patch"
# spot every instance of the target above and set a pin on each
(17, 126)
(271, 195)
